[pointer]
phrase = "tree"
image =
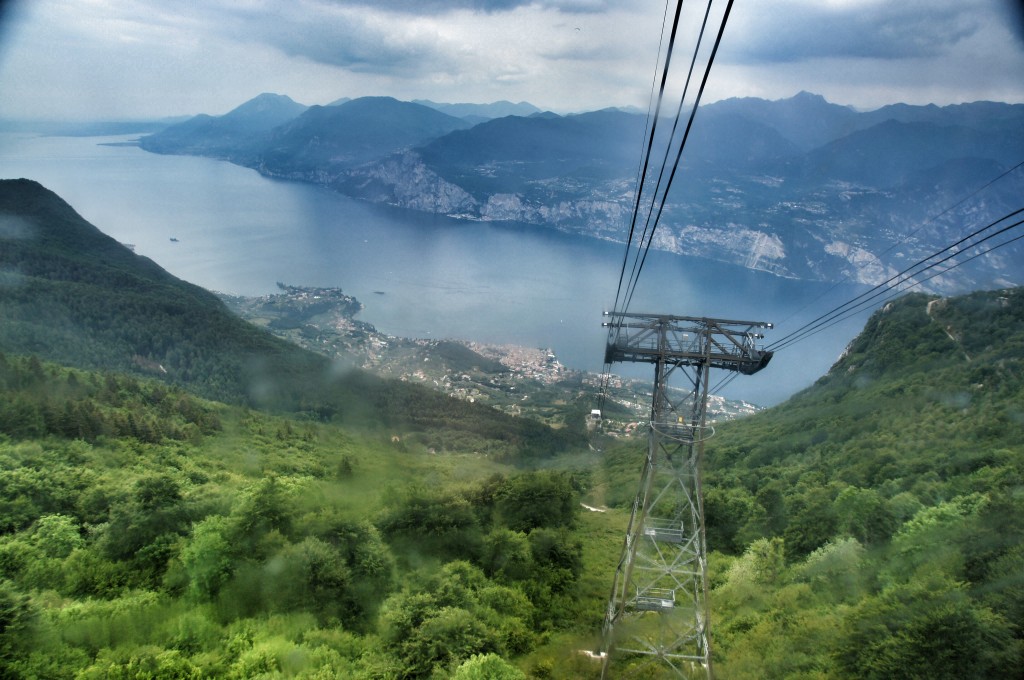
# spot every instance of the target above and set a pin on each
(537, 499)
(765, 559)
(836, 570)
(56, 536)
(449, 635)
(143, 663)
(264, 507)
(310, 575)
(507, 555)
(726, 510)
(487, 667)
(558, 556)
(16, 620)
(864, 515)
(927, 629)
(371, 569)
(208, 557)
(812, 521)
(145, 529)
(443, 524)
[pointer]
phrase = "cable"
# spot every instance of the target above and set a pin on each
(725, 381)
(648, 234)
(682, 145)
(837, 310)
(917, 283)
(650, 144)
(634, 275)
(907, 236)
(792, 338)
(839, 313)
(650, 126)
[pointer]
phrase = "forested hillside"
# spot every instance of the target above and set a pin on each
(73, 295)
(145, 533)
(868, 528)
(873, 525)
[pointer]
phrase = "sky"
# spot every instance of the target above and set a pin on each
(146, 59)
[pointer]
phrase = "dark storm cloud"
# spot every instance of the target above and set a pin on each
(117, 59)
(899, 30)
(487, 6)
(1014, 10)
(439, 6)
(370, 36)
(347, 35)
(350, 44)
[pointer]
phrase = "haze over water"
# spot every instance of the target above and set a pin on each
(417, 275)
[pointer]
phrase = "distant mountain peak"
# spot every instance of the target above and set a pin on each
(270, 97)
(805, 96)
(498, 109)
(267, 102)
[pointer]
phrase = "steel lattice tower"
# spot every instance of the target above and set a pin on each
(658, 606)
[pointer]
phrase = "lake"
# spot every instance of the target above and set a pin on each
(229, 229)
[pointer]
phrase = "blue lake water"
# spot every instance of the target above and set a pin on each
(417, 275)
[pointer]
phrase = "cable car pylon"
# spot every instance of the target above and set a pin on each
(658, 606)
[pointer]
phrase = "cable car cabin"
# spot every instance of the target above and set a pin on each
(594, 419)
(655, 600)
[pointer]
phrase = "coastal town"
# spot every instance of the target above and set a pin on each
(518, 380)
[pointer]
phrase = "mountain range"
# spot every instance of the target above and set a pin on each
(799, 187)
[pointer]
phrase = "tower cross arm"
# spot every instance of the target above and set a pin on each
(686, 340)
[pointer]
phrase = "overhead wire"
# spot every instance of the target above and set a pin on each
(648, 227)
(899, 287)
(964, 261)
(650, 133)
(685, 137)
(890, 294)
(656, 208)
(649, 147)
(650, 126)
(837, 314)
(859, 301)
(853, 307)
(896, 293)
(906, 237)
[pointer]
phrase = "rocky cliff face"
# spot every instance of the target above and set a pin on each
(839, 234)
(403, 180)
(799, 188)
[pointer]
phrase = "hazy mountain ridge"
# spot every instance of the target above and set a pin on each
(798, 187)
(230, 136)
(76, 296)
(481, 112)
(324, 140)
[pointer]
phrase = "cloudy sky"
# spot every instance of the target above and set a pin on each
(129, 59)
